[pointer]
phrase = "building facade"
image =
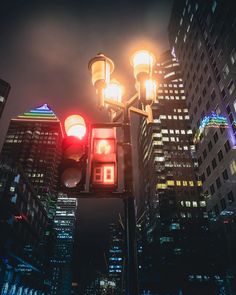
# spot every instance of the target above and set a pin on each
(4, 92)
(202, 34)
(116, 257)
(34, 140)
(65, 226)
(175, 226)
(23, 224)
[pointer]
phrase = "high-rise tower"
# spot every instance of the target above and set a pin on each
(4, 91)
(175, 222)
(34, 139)
(202, 34)
(64, 226)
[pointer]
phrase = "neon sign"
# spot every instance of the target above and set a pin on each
(213, 120)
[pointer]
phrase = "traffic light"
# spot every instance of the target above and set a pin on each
(74, 158)
(103, 159)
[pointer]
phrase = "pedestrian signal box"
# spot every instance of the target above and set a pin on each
(103, 159)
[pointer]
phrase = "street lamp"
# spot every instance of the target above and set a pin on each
(109, 93)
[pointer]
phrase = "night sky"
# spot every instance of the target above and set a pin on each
(44, 53)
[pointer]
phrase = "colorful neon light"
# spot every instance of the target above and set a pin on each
(42, 113)
(212, 120)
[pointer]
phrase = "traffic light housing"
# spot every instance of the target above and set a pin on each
(73, 166)
(103, 159)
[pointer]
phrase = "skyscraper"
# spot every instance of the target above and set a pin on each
(65, 226)
(202, 34)
(175, 226)
(34, 139)
(4, 91)
(23, 223)
(115, 256)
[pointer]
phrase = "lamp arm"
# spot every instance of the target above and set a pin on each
(138, 111)
(114, 103)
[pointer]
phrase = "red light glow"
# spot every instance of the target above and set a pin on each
(103, 147)
(108, 174)
(75, 126)
(104, 174)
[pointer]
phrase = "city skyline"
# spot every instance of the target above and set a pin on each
(183, 149)
(36, 33)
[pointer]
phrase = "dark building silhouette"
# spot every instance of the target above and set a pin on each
(23, 227)
(65, 221)
(34, 139)
(178, 257)
(202, 34)
(4, 92)
(116, 256)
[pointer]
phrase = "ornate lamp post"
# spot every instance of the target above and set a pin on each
(109, 93)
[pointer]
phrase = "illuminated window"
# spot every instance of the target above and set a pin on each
(185, 183)
(199, 183)
(162, 116)
(233, 56)
(194, 204)
(171, 131)
(188, 204)
(175, 117)
(232, 167)
(191, 183)
(176, 131)
(170, 182)
(202, 203)
(164, 131)
(178, 183)
(172, 139)
(182, 131)
(161, 186)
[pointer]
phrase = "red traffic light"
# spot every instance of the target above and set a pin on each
(75, 126)
(103, 158)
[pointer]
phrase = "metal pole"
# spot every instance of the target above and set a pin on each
(130, 216)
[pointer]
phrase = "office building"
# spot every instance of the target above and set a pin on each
(175, 226)
(23, 223)
(202, 34)
(116, 257)
(4, 91)
(65, 226)
(34, 140)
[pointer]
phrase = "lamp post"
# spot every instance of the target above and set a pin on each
(110, 93)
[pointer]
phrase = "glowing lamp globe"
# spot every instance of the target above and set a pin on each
(142, 62)
(101, 68)
(151, 90)
(113, 91)
(75, 126)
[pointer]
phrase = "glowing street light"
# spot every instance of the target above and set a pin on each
(113, 91)
(142, 62)
(105, 173)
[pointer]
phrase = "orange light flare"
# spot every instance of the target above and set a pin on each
(151, 89)
(113, 91)
(142, 62)
(75, 126)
